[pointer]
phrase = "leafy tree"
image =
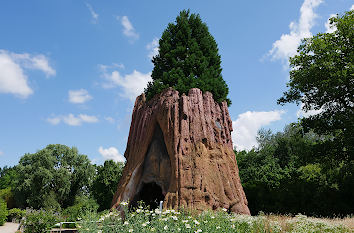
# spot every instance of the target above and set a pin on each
(188, 58)
(7, 177)
(52, 177)
(322, 78)
(106, 182)
(285, 174)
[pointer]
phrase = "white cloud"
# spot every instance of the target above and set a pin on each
(110, 119)
(128, 29)
(93, 13)
(153, 48)
(54, 120)
(13, 79)
(72, 120)
(79, 96)
(37, 62)
(111, 153)
(330, 28)
(352, 7)
(132, 84)
(247, 125)
(287, 45)
(105, 68)
(303, 113)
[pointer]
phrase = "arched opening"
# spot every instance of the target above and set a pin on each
(156, 173)
(150, 193)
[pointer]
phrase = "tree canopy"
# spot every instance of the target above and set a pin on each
(52, 177)
(322, 78)
(289, 173)
(188, 58)
(106, 182)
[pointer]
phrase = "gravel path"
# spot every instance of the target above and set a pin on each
(9, 227)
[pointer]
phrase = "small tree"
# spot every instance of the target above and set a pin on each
(188, 58)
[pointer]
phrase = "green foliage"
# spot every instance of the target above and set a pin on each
(40, 221)
(3, 212)
(145, 220)
(16, 214)
(7, 177)
(52, 177)
(82, 206)
(322, 78)
(188, 58)
(288, 173)
(8, 196)
(106, 182)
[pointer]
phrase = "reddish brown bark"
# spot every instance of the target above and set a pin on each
(183, 144)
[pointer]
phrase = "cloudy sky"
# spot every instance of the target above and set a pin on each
(71, 70)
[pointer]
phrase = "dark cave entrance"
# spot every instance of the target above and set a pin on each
(156, 173)
(150, 194)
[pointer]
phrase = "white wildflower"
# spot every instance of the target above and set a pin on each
(124, 203)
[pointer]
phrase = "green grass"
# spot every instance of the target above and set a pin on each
(144, 220)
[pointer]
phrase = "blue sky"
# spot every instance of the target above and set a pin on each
(70, 70)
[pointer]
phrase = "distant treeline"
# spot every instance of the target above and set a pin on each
(296, 172)
(59, 178)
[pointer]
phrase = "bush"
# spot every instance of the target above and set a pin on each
(16, 214)
(82, 206)
(40, 221)
(3, 212)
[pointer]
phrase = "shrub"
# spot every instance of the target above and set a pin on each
(16, 214)
(82, 206)
(3, 212)
(40, 221)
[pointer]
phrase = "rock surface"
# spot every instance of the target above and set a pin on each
(182, 145)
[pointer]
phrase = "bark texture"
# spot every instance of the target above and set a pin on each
(183, 144)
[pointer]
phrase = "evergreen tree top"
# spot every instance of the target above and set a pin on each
(188, 58)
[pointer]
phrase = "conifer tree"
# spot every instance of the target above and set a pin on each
(188, 58)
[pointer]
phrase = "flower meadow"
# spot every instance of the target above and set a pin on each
(144, 220)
